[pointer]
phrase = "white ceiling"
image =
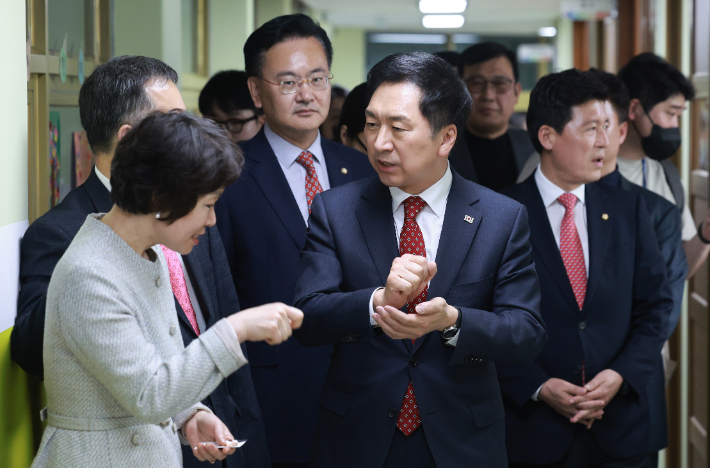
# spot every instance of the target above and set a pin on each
(505, 17)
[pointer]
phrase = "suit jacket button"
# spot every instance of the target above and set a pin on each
(159, 281)
(136, 439)
(582, 325)
(577, 370)
(165, 423)
(413, 361)
(173, 330)
(392, 413)
(174, 429)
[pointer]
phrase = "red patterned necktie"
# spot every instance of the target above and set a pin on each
(411, 241)
(571, 249)
(313, 187)
(177, 281)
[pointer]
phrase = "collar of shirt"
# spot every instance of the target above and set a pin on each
(287, 152)
(613, 178)
(551, 192)
(104, 180)
(435, 196)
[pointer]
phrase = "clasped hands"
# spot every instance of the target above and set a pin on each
(409, 276)
(582, 404)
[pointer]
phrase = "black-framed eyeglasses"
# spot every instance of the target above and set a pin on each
(478, 84)
(235, 125)
(319, 82)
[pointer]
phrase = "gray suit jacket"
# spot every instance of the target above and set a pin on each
(460, 157)
(115, 367)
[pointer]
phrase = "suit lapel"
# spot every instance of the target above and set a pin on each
(377, 224)
(266, 172)
(599, 231)
(338, 171)
(543, 240)
(456, 238)
(193, 265)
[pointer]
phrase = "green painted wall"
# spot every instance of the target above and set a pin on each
(348, 57)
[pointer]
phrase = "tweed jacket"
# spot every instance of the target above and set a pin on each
(116, 369)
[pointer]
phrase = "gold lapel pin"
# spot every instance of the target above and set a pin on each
(468, 219)
(344, 170)
(605, 216)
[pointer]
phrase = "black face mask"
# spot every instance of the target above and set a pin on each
(662, 143)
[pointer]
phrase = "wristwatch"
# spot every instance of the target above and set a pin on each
(450, 332)
(700, 233)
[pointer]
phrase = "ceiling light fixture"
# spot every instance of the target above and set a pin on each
(443, 21)
(442, 6)
(547, 32)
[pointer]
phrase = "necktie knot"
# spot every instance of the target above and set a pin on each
(568, 200)
(412, 207)
(305, 159)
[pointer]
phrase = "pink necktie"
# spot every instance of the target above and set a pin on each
(411, 241)
(313, 187)
(177, 281)
(571, 249)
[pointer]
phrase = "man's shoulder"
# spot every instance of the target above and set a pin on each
(351, 191)
(491, 200)
(68, 216)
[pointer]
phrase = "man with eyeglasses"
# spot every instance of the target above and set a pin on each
(262, 217)
(491, 153)
(226, 100)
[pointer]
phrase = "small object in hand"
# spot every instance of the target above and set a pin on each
(230, 444)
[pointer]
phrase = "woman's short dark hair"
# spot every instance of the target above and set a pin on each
(168, 161)
(114, 95)
(554, 96)
(445, 99)
(230, 91)
(281, 29)
(353, 113)
(652, 80)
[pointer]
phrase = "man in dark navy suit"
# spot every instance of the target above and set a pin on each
(605, 296)
(115, 97)
(416, 388)
(263, 216)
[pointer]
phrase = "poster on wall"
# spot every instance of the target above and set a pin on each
(54, 154)
(83, 159)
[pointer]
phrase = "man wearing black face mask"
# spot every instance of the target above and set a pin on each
(658, 93)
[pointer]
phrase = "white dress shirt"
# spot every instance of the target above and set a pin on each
(287, 153)
(430, 220)
(655, 181)
(190, 289)
(556, 211)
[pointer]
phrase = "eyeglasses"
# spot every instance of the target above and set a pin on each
(478, 84)
(316, 83)
(235, 125)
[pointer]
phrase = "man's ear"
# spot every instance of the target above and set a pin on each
(623, 131)
(517, 89)
(448, 139)
(253, 83)
(261, 119)
(547, 135)
(123, 130)
(344, 139)
(635, 109)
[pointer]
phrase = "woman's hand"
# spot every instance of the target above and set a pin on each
(206, 427)
(272, 323)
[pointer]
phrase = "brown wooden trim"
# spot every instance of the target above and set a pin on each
(38, 146)
(581, 45)
(202, 35)
(38, 20)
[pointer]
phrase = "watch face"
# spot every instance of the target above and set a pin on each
(448, 334)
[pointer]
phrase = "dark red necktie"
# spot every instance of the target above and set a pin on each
(571, 249)
(411, 241)
(313, 187)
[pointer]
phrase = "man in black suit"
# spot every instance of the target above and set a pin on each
(262, 217)
(416, 387)
(115, 97)
(605, 295)
(489, 152)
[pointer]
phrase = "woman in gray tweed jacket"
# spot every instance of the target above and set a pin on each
(121, 388)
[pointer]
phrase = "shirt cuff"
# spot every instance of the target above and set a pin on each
(535, 395)
(229, 337)
(372, 309)
(181, 418)
(453, 340)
